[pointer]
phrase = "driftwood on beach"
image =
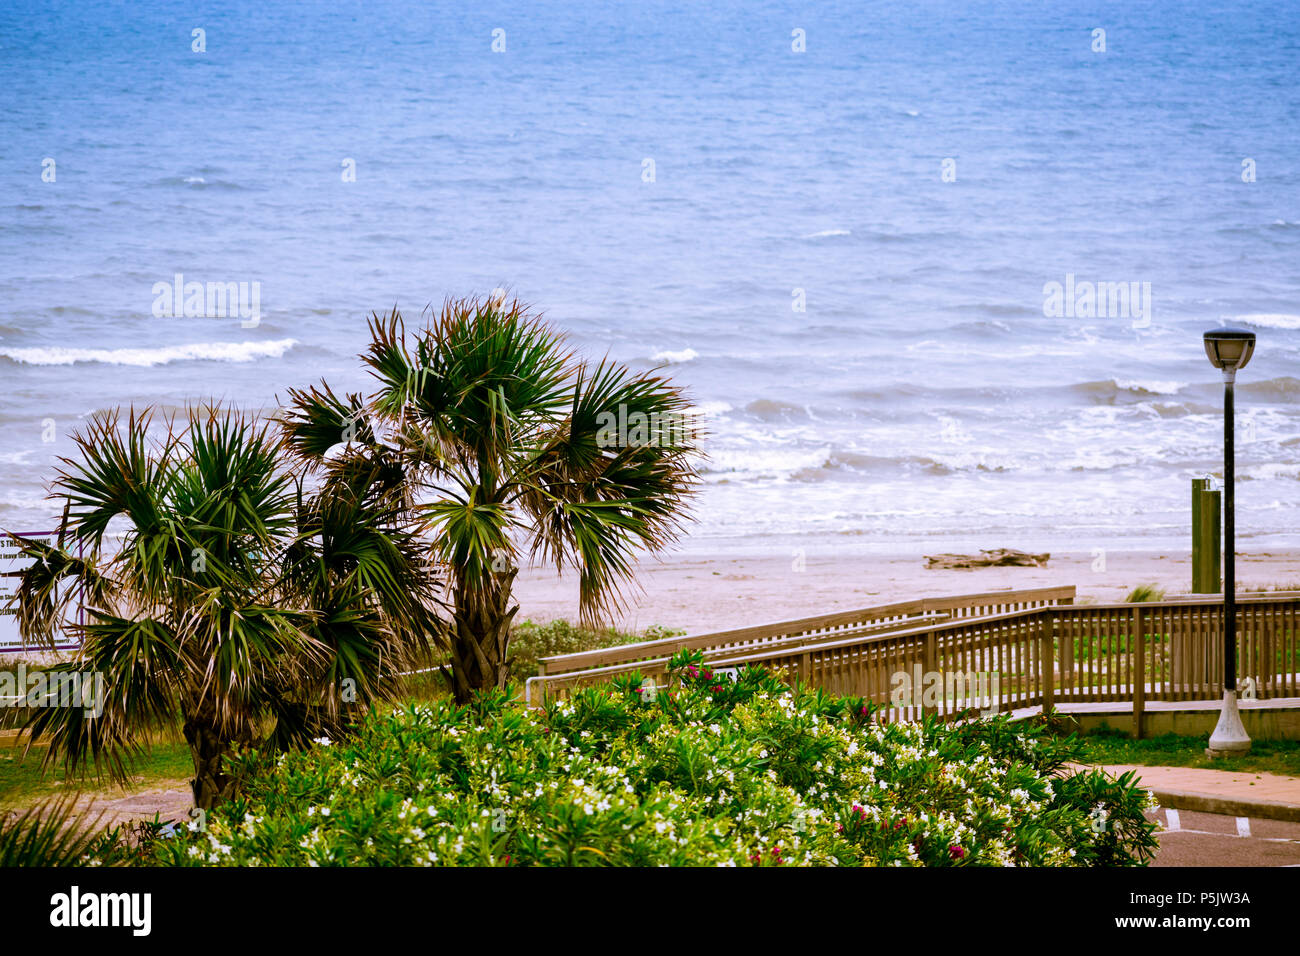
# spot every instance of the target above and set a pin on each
(998, 557)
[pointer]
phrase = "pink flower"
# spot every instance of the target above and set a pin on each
(956, 852)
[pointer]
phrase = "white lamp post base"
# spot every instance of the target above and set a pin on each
(1229, 737)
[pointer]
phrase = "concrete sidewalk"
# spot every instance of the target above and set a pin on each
(1241, 793)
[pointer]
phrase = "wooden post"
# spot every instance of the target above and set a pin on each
(1205, 538)
(1047, 660)
(928, 669)
(1140, 678)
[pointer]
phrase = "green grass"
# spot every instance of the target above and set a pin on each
(1108, 746)
(23, 783)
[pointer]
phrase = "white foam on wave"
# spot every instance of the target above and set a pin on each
(1273, 471)
(1270, 320)
(966, 349)
(710, 409)
(145, 358)
(22, 502)
(675, 358)
(827, 233)
(1153, 386)
(771, 460)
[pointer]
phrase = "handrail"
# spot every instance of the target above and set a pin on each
(776, 646)
(1161, 650)
(581, 660)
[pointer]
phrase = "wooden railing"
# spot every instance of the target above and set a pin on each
(994, 659)
(559, 674)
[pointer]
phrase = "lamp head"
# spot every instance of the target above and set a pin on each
(1229, 349)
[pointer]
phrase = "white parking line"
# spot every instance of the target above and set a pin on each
(1235, 836)
(1243, 826)
(1171, 818)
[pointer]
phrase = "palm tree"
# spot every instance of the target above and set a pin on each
(247, 604)
(501, 442)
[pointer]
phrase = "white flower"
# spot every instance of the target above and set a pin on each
(323, 741)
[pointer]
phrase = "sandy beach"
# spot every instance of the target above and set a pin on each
(702, 593)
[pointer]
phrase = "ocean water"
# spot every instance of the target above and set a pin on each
(845, 253)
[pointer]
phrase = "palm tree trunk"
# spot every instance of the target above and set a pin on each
(210, 784)
(481, 635)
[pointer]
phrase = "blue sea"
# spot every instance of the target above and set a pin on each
(838, 224)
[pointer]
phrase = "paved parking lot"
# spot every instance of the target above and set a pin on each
(1210, 839)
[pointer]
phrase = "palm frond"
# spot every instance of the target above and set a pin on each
(121, 472)
(54, 834)
(50, 587)
(616, 478)
(316, 420)
(136, 672)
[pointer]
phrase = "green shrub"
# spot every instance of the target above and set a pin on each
(530, 642)
(704, 771)
(1145, 593)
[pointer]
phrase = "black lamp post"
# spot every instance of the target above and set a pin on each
(1229, 350)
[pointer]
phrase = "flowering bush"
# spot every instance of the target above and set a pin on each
(705, 771)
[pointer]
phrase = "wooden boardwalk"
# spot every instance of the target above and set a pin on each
(996, 652)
